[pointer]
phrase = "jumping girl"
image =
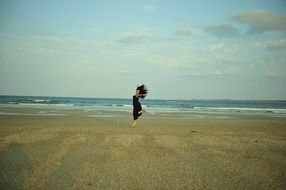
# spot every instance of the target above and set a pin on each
(141, 92)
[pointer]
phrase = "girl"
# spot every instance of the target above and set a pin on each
(141, 92)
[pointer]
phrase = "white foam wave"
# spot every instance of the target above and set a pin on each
(269, 110)
(40, 100)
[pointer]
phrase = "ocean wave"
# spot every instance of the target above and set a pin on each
(204, 106)
(68, 105)
(121, 105)
(33, 101)
(268, 110)
(7, 113)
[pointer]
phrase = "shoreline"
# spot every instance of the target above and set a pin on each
(223, 107)
(111, 112)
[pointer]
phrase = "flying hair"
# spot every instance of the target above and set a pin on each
(142, 91)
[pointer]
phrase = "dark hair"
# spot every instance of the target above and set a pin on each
(142, 91)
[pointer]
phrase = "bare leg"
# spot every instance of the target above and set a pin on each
(134, 123)
(140, 112)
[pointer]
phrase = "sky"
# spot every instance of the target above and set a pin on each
(181, 49)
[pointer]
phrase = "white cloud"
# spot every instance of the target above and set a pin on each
(262, 20)
(277, 44)
(276, 69)
(222, 30)
(272, 73)
(124, 72)
(171, 63)
(232, 48)
(149, 8)
(171, 38)
(65, 41)
(100, 30)
(186, 31)
(215, 73)
(50, 39)
(225, 58)
(138, 36)
(215, 47)
(272, 45)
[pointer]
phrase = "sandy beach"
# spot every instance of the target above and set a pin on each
(75, 149)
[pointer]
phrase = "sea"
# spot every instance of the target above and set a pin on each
(275, 108)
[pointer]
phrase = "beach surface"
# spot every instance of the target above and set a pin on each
(93, 149)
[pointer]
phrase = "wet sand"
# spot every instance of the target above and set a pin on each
(74, 149)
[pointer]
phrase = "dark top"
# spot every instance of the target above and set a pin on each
(136, 108)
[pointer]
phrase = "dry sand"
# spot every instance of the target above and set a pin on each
(74, 151)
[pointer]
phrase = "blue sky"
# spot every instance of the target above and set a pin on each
(181, 49)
